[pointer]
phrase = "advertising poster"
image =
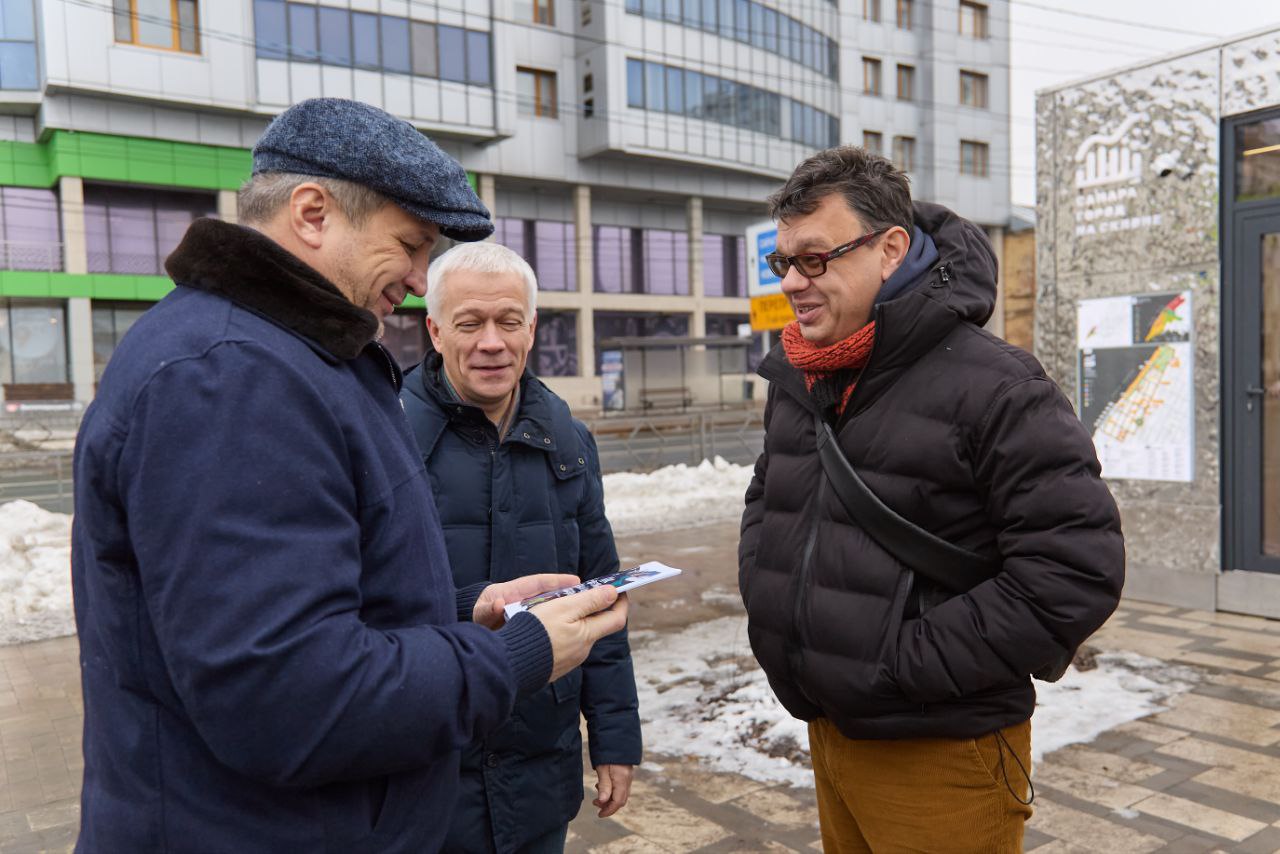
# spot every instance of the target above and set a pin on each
(1136, 384)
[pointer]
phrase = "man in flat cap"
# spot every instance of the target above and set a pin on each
(274, 657)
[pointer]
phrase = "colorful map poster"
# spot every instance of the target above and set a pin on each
(1135, 363)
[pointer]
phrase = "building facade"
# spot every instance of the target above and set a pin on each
(1158, 308)
(624, 146)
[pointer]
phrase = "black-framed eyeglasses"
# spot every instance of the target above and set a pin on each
(813, 264)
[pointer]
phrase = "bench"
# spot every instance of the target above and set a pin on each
(664, 398)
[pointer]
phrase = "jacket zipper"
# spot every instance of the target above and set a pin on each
(802, 579)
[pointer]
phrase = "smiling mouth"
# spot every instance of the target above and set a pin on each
(806, 312)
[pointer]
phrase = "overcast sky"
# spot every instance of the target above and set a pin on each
(1056, 41)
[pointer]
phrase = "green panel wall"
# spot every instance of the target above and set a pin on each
(26, 283)
(99, 157)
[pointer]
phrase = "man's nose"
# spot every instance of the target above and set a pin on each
(795, 281)
(490, 340)
(416, 281)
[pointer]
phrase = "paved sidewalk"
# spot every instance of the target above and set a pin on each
(1201, 777)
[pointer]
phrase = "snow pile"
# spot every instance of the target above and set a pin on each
(679, 496)
(702, 695)
(35, 573)
(1084, 704)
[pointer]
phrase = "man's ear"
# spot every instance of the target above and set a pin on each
(311, 209)
(433, 329)
(894, 244)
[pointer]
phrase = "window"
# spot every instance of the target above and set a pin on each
(167, 24)
(478, 71)
(904, 153)
(536, 92)
(749, 22)
(873, 141)
(304, 32)
(616, 258)
(871, 10)
(555, 344)
(870, 76)
(335, 36)
(33, 341)
(666, 262)
(548, 246)
(422, 39)
(30, 227)
(973, 19)
(635, 84)
(665, 88)
(544, 12)
(18, 69)
(270, 30)
(132, 230)
(1257, 160)
(395, 45)
(906, 13)
(724, 270)
(111, 320)
(906, 83)
(973, 158)
(364, 38)
(973, 89)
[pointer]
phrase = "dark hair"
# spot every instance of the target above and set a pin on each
(871, 186)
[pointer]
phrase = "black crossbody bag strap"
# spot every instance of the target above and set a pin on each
(944, 563)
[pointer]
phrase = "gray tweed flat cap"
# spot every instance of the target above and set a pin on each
(337, 138)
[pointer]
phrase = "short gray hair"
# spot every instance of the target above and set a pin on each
(263, 195)
(478, 258)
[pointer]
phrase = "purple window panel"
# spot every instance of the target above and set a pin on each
(612, 259)
(713, 265)
(97, 237)
(659, 262)
(553, 242)
(680, 242)
(32, 238)
(510, 233)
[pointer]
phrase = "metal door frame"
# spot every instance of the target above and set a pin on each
(1243, 223)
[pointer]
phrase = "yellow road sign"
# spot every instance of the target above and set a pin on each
(770, 312)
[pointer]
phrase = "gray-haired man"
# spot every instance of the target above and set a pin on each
(271, 645)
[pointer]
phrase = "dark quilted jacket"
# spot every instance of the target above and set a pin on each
(965, 436)
(533, 502)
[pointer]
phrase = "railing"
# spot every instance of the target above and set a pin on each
(644, 443)
(21, 255)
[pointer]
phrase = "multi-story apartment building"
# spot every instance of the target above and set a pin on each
(623, 146)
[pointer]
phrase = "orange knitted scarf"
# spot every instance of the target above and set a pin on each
(820, 363)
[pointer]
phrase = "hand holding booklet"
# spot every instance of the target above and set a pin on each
(624, 580)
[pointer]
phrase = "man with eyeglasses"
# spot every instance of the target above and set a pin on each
(916, 684)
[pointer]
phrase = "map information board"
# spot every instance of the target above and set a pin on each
(1135, 389)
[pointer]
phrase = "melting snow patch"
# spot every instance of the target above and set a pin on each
(678, 496)
(35, 573)
(702, 695)
(1084, 704)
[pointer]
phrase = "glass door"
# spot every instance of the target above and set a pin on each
(1251, 347)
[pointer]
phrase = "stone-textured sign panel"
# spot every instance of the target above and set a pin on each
(1136, 162)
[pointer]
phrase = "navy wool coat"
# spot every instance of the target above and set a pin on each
(532, 502)
(269, 638)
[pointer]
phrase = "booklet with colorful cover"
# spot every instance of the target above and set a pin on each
(624, 580)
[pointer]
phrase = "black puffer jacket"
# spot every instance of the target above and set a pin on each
(965, 436)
